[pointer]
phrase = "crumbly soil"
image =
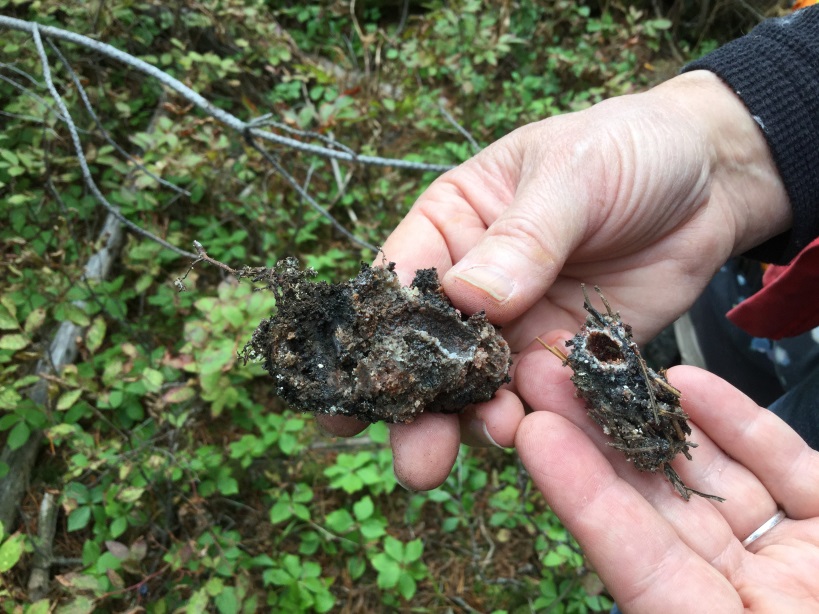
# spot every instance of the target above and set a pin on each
(372, 349)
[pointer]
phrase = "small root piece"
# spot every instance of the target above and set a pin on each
(684, 490)
(553, 349)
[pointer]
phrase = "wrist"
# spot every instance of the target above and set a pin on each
(745, 181)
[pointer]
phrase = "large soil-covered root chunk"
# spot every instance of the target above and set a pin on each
(375, 350)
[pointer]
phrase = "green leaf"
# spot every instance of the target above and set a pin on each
(373, 528)
(7, 320)
(9, 156)
(324, 601)
(363, 508)
(553, 559)
(280, 511)
(39, 607)
(450, 524)
(10, 552)
(413, 550)
(81, 581)
(9, 419)
(153, 379)
(76, 314)
(80, 605)
(227, 485)
(379, 432)
(95, 334)
(14, 342)
(660, 24)
(356, 566)
(18, 435)
(130, 494)
(35, 320)
(302, 493)
(67, 399)
(118, 526)
(10, 306)
(78, 519)
(394, 548)
(226, 601)
(302, 512)
(406, 586)
(339, 521)
(9, 399)
(388, 571)
(198, 603)
(215, 586)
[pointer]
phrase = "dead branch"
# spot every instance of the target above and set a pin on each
(78, 150)
(43, 549)
(205, 105)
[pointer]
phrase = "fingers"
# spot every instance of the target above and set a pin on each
(710, 529)
(454, 212)
(340, 426)
(493, 423)
(755, 438)
(747, 501)
(518, 257)
(638, 555)
(415, 244)
(425, 451)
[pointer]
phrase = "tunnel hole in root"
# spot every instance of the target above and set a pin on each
(604, 348)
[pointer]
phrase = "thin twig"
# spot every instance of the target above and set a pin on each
(202, 257)
(265, 120)
(466, 134)
(75, 138)
(205, 105)
(84, 96)
(22, 73)
(553, 349)
(33, 95)
(310, 200)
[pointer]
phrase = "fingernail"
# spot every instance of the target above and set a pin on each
(489, 437)
(485, 430)
(489, 279)
(479, 430)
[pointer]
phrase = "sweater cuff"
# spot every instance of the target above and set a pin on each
(775, 71)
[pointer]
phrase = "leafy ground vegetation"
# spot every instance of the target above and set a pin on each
(181, 483)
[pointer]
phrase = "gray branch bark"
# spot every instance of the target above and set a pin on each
(61, 352)
(40, 576)
(205, 105)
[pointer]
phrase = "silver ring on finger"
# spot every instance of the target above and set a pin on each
(766, 526)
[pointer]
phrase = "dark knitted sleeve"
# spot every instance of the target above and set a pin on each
(775, 71)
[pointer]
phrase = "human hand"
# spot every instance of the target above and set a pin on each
(644, 195)
(653, 550)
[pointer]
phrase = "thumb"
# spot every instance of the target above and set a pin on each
(520, 254)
